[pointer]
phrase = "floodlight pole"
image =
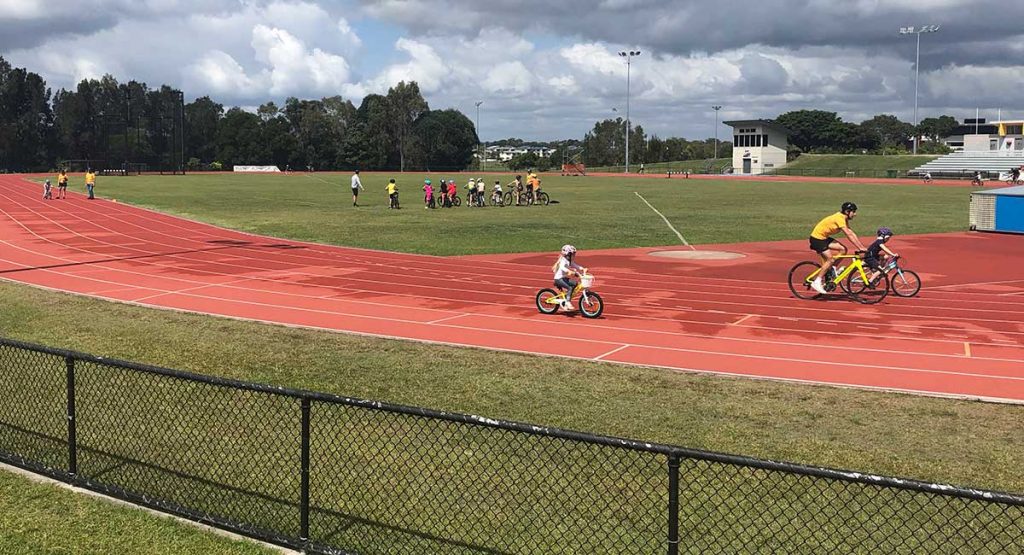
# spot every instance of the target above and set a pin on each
(478, 103)
(716, 109)
(917, 66)
(629, 57)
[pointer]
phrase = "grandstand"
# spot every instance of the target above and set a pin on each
(967, 163)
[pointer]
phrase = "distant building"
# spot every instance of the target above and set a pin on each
(977, 135)
(506, 153)
(758, 146)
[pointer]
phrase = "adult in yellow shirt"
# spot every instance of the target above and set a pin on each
(822, 242)
(90, 182)
(62, 183)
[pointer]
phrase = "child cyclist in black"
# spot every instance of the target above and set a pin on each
(874, 252)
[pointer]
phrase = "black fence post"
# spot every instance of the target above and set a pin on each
(673, 505)
(304, 495)
(69, 363)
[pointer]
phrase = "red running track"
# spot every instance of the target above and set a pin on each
(962, 337)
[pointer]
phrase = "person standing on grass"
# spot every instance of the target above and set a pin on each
(90, 183)
(392, 189)
(62, 183)
(357, 185)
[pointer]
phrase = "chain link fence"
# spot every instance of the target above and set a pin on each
(331, 474)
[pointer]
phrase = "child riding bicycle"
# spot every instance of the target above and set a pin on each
(873, 254)
(565, 269)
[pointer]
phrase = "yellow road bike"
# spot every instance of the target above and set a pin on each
(851, 279)
(591, 305)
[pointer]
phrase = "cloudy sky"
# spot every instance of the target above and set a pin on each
(545, 70)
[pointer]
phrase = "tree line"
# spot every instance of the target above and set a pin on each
(110, 123)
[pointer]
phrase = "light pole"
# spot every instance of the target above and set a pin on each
(479, 102)
(716, 109)
(917, 65)
(629, 58)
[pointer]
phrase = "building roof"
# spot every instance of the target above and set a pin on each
(762, 122)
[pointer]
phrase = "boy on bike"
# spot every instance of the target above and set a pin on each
(567, 268)
(872, 255)
(496, 193)
(822, 243)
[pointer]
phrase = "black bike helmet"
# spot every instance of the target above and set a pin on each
(848, 207)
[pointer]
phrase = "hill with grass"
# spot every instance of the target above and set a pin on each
(862, 165)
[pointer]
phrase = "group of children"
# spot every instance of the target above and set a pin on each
(444, 193)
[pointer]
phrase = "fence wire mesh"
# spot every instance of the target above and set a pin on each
(338, 475)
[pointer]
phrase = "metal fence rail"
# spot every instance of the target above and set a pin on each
(339, 475)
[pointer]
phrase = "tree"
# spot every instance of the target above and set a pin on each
(523, 161)
(405, 105)
(817, 130)
(444, 139)
(605, 143)
(238, 139)
(936, 129)
(202, 118)
(888, 130)
(26, 120)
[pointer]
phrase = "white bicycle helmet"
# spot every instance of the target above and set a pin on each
(568, 249)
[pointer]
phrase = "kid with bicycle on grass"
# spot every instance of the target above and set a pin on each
(822, 243)
(565, 269)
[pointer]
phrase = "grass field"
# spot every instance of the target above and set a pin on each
(693, 166)
(859, 165)
(970, 443)
(41, 518)
(967, 443)
(591, 212)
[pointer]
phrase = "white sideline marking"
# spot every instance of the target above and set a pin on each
(668, 223)
(439, 320)
(743, 319)
(611, 352)
(967, 349)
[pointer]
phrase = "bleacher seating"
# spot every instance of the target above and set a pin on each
(967, 163)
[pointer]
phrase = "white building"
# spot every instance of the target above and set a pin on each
(758, 146)
(505, 153)
(1005, 136)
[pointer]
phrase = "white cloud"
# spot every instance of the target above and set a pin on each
(219, 73)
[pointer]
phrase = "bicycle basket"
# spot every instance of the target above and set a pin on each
(587, 280)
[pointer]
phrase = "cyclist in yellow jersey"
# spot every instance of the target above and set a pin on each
(821, 240)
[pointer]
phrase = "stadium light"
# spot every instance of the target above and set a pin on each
(716, 109)
(917, 66)
(628, 55)
(479, 102)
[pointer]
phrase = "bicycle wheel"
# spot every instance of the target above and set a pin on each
(543, 198)
(905, 283)
(592, 306)
(543, 296)
(456, 201)
(508, 199)
(495, 201)
(798, 282)
(868, 293)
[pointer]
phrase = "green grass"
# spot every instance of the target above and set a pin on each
(43, 518)
(591, 212)
(861, 165)
(970, 443)
(693, 166)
